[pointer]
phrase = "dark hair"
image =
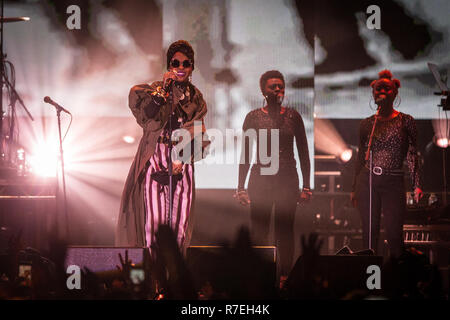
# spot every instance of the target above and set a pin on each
(386, 74)
(269, 75)
(180, 46)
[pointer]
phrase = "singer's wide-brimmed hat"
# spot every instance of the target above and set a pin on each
(180, 46)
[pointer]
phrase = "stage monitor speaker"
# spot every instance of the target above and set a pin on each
(343, 273)
(216, 262)
(30, 215)
(101, 259)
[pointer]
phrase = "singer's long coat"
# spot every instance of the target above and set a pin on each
(131, 221)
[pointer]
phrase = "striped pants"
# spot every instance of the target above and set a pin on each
(157, 198)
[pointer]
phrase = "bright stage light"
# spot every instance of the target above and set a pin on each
(442, 143)
(129, 139)
(44, 160)
(441, 133)
(327, 139)
(346, 155)
(20, 154)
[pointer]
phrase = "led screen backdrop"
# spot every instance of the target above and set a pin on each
(324, 48)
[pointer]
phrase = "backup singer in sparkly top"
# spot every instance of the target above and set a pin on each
(145, 198)
(394, 139)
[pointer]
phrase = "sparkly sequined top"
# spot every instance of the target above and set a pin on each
(392, 142)
(290, 125)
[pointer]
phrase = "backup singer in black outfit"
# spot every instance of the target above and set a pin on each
(280, 188)
(394, 139)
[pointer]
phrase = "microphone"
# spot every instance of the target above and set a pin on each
(47, 99)
(273, 99)
(279, 99)
(168, 84)
(379, 100)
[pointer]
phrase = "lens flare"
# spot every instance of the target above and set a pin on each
(327, 139)
(442, 143)
(44, 160)
(346, 155)
(129, 139)
(441, 132)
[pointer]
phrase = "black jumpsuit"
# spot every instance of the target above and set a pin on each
(280, 189)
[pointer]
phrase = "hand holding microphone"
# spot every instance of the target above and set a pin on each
(168, 78)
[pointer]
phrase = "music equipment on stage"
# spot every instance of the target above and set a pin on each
(104, 259)
(445, 105)
(27, 205)
(434, 239)
(427, 234)
(7, 145)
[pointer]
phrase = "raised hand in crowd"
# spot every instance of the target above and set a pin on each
(179, 284)
(125, 267)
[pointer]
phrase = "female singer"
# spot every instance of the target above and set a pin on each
(388, 137)
(145, 198)
(282, 188)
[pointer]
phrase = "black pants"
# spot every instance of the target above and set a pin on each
(281, 190)
(388, 197)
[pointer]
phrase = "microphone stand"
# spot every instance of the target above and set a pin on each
(369, 157)
(4, 82)
(58, 114)
(444, 161)
(169, 162)
(445, 104)
(2, 61)
(370, 199)
(17, 96)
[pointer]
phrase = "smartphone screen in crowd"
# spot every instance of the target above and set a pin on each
(137, 276)
(25, 271)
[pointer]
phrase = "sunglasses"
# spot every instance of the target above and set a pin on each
(176, 63)
(275, 85)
